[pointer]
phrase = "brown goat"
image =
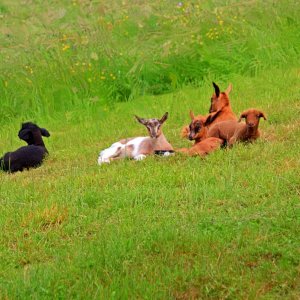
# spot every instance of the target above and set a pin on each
(198, 129)
(220, 103)
(232, 131)
(249, 132)
(203, 148)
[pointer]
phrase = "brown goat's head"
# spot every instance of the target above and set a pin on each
(198, 125)
(153, 125)
(219, 99)
(252, 117)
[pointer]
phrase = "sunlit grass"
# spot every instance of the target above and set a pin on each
(178, 227)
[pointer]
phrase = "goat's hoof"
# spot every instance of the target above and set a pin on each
(140, 157)
(167, 153)
(102, 160)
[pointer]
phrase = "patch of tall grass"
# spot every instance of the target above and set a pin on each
(86, 54)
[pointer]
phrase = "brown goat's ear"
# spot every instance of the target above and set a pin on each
(229, 89)
(164, 118)
(262, 115)
(211, 117)
(192, 115)
(141, 120)
(243, 115)
(217, 89)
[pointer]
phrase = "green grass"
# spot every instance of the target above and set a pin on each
(222, 227)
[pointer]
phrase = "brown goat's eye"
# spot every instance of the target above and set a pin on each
(197, 127)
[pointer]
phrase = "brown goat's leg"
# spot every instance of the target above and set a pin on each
(182, 150)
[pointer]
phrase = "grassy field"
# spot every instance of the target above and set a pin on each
(223, 227)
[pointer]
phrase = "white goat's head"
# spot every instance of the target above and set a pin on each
(153, 125)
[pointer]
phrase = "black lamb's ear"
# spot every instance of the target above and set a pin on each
(45, 132)
(24, 134)
(217, 89)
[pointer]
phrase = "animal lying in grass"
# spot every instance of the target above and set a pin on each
(30, 156)
(232, 131)
(198, 130)
(220, 104)
(139, 148)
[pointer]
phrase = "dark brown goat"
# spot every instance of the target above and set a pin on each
(232, 131)
(220, 104)
(198, 129)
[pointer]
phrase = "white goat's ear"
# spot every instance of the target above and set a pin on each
(164, 118)
(141, 120)
(229, 89)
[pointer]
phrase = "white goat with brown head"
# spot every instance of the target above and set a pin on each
(140, 147)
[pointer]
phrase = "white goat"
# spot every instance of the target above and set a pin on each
(139, 147)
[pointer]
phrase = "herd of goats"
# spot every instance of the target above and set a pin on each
(220, 128)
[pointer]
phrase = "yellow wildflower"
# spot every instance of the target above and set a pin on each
(65, 47)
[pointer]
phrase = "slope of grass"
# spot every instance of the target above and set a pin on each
(226, 226)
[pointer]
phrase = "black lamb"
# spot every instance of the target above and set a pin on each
(30, 156)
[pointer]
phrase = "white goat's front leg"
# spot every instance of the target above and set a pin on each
(139, 157)
(102, 160)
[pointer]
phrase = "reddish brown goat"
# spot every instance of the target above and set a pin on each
(220, 104)
(232, 131)
(198, 132)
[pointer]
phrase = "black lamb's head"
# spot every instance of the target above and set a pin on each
(29, 132)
